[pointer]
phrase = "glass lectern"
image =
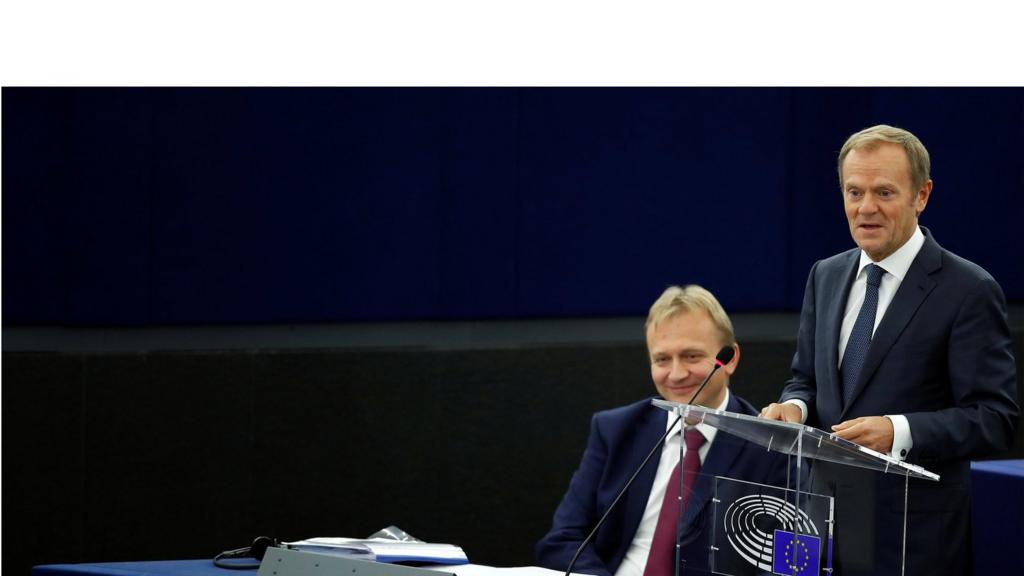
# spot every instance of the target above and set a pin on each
(792, 529)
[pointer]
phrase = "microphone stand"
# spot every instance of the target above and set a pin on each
(724, 357)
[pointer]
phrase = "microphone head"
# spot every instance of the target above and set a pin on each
(725, 355)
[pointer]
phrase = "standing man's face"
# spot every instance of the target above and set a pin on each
(880, 200)
(682, 350)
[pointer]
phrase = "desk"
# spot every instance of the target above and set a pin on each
(206, 568)
(161, 568)
(997, 489)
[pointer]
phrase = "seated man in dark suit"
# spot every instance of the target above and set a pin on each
(686, 327)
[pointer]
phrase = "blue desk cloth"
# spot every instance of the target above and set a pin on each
(159, 568)
(997, 489)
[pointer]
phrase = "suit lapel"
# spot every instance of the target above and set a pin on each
(839, 281)
(908, 298)
(649, 429)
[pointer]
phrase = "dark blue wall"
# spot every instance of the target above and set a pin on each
(179, 206)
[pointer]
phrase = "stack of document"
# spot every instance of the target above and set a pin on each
(384, 550)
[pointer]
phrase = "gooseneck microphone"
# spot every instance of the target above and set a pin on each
(724, 357)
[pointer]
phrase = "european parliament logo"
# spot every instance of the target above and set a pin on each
(795, 555)
(759, 531)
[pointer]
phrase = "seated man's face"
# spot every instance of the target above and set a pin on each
(682, 350)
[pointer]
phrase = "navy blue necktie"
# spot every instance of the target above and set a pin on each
(860, 337)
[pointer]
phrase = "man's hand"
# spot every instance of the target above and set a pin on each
(784, 412)
(874, 432)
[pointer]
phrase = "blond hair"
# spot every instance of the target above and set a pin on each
(675, 300)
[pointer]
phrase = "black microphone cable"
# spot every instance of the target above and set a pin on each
(724, 356)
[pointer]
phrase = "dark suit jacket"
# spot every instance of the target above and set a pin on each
(619, 440)
(942, 357)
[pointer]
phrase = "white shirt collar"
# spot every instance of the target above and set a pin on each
(899, 261)
(705, 429)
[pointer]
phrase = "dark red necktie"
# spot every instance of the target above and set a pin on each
(663, 545)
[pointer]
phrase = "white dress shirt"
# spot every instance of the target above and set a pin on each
(635, 560)
(896, 266)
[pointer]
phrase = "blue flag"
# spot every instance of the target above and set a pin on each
(795, 556)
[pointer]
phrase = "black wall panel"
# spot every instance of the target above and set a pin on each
(171, 455)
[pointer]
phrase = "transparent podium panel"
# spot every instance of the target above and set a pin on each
(739, 528)
(760, 529)
(841, 511)
(791, 438)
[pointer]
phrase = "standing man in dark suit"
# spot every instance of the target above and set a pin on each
(903, 348)
(686, 327)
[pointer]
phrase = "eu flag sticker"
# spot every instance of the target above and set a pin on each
(793, 556)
